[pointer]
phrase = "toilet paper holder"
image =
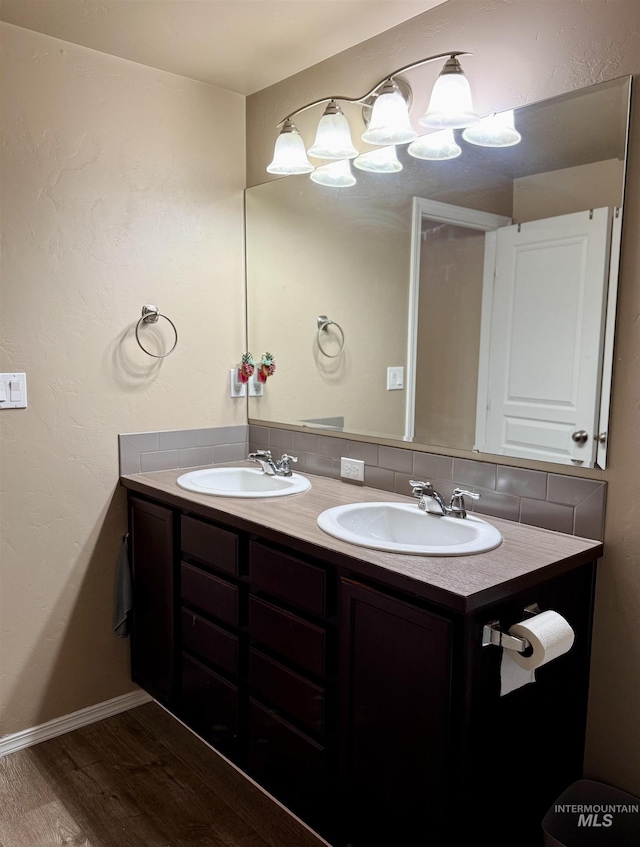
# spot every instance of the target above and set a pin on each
(492, 634)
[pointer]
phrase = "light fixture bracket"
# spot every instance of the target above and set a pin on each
(450, 55)
(452, 66)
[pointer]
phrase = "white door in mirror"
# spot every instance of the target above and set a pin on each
(404, 528)
(539, 384)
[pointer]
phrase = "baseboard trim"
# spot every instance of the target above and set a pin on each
(67, 723)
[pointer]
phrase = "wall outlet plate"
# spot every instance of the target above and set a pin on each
(238, 388)
(256, 388)
(352, 469)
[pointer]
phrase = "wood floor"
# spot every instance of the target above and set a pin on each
(139, 779)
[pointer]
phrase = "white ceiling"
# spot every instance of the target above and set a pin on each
(240, 45)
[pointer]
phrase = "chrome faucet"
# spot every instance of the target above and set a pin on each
(271, 466)
(429, 500)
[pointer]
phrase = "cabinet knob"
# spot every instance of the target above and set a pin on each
(580, 436)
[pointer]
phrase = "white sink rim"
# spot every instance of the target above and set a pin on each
(242, 482)
(482, 536)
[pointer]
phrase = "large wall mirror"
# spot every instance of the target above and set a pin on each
(465, 304)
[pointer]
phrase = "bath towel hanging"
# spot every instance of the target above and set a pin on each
(123, 601)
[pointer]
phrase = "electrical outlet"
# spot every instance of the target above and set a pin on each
(352, 469)
(256, 388)
(238, 388)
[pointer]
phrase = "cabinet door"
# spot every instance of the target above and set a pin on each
(288, 763)
(152, 566)
(210, 705)
(395, 678)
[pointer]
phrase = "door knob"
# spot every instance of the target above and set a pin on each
(580, 436)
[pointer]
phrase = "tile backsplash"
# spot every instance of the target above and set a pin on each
(553, 501)
(140, 452)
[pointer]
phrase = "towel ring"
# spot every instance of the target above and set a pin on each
(150, 315)
(323, 322)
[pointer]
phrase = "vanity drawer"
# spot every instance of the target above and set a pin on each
(209, 703)
(292, 637)
(288, 578)
(210, 642)
(210, 544)
(209, 594)
(285, 761)
(287, 690)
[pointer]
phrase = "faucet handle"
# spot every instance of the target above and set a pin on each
(457, 505)
(418, 488)
(459, 492)
(284, 464)
(261, 454)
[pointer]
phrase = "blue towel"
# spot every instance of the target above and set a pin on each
(123, 592)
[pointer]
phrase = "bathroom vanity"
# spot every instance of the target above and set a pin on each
(352, 684)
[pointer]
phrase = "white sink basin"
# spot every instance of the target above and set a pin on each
(242, 482)
(404, 528)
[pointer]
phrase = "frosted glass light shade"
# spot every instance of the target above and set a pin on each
(381, 161)
(333, 136)
(334, 175)
(450, 105)
(495, 130)
(390, 122)
(289, 155)
(435, 147)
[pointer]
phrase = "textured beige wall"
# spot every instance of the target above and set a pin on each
(121, 185)
(351, 266)
(449, 309)
(568, 190)
(525, 51)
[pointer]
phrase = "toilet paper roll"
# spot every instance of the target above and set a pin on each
(549, 634)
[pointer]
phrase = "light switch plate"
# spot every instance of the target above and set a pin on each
(13, 391)
(395, 379)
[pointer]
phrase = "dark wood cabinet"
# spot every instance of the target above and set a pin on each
(288, 763)
(210, 694)
(372, 712)
(153, 641)
(396, 662)
(210, 704)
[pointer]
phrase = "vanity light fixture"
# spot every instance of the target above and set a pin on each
(436, 146)
(289, 156)
(496, 130)
(383, 160)
(389, 122)
(333, 136)
(450, 106)
(334, 175)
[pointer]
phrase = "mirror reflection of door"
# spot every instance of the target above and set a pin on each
(540, 375)
(447, 269)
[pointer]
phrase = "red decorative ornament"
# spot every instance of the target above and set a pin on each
(246, 369)
(267, 367)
